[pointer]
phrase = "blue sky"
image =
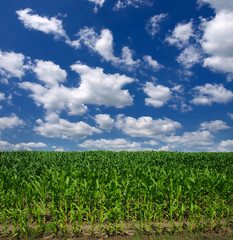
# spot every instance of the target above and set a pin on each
(116, 75)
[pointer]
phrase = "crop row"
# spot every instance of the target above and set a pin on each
(112, 189)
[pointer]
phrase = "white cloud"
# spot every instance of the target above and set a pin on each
(218, 5)
(214, 126)
(12, 64)
(226, 146)
(190, 140)
(118, 144)
(217, 41)
(158, 95)
(151, 142)
(231, 115)
(55, 127)
(104, 121)
(99, 3)
(43, 24)
(220, 64)
(152, 25)
(189, 56)
(209, 93)
(181, 35)
(103, 45)
(134, 3)
(49, 73)
(146, 126)
(151, 63)
(95, 87)
(6, 146)
(2, 96)
(10, 122)
(46, 25)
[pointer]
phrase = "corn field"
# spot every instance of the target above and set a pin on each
(109, 193)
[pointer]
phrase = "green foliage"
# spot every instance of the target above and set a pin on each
(106, 188)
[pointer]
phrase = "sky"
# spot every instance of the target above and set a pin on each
(133, 75)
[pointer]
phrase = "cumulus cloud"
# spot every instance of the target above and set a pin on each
(44, 24)
(6, 146)
(95, 87)
(103, 44)
(217, 4)
(2, 96)
(146, 126)
(158, 95)
(10, 122)
(133, 3)
(217, 42)
(104, 121)
(226, 146)
(49, 73)
(118, 144)
(151, 63)
(214, 126)
(153, 24)
(98, 3)
(181, 34)
(55, 127)
(190, 140)
(12, 64)
(189, 56)
(209, 93)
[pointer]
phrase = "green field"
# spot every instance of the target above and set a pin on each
(101, 193)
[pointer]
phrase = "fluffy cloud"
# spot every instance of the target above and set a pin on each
(12, 64)
(134, 3)
(189, 56)
(103, 45)
(217, 41)
(10, 122)
(104, 121)
(158, 95)
(218, 5)
(226, 146)
(151, 63)
(95, 87)
(118, 144)
(214, 126)
(191, 140)
(209, 93)
(6, 146)
(49, 73)
(99, 3)
(152, 25)
(55, 127)
(146, 126)
(44, 24)
(181, 35)
(2, 96)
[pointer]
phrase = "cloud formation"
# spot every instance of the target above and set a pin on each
(133, 3)
(158, 95)
(146, 126)
(153, 24)
(44, 24)
(95, 87)
(209, 93)
(12, 64)
(55, 127)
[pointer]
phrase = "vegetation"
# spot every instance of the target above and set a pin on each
(114, 192)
